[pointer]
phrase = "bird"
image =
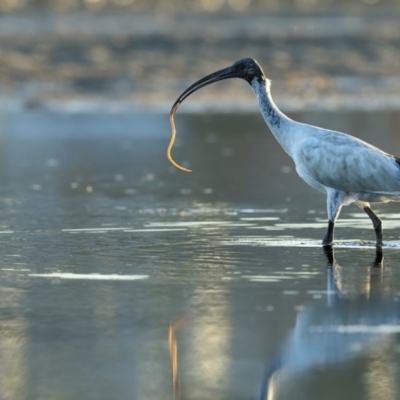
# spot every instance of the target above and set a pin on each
(347, 169)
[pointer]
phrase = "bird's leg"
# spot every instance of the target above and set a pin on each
(334, 205)
(377, 222)
(328, 239)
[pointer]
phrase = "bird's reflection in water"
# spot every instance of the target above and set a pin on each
(343, 328)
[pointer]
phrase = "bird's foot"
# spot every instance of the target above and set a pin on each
(327, 241)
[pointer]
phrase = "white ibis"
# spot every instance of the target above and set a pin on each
(347, 169)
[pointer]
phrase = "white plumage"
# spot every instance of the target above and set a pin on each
(347, 169)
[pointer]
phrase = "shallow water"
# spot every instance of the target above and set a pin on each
(123, 278)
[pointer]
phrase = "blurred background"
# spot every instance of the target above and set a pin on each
(113, 68)
(104, 244)
(73, 55)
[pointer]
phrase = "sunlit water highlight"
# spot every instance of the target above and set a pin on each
(94, 276)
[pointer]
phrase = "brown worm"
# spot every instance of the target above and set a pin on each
(172, 140)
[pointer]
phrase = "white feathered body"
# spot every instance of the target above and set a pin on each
(329, 159)
(333, 161)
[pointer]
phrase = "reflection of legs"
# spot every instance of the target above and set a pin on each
(334, 205)
(333, 275)
(378, 262)
(330, 256)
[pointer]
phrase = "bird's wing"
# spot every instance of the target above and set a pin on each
(345, 163)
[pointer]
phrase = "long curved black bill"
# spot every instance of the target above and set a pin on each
(220, 75)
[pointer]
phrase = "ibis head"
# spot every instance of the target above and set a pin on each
(247, 69)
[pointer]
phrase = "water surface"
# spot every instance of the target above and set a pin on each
(123, 278)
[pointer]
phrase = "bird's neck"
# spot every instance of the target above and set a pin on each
(277, 121)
